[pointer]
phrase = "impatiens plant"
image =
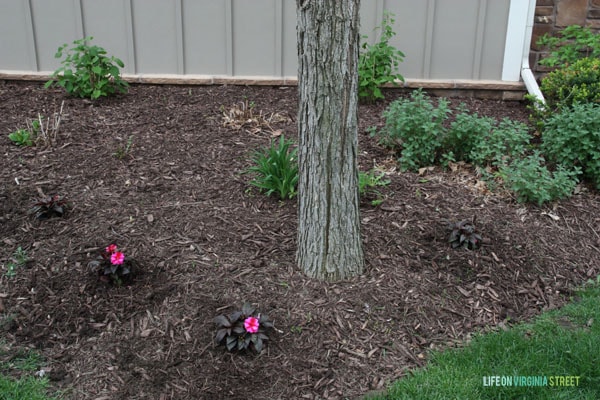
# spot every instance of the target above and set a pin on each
(51, 206)
(243, 329)
(112, 265)
(464, 234)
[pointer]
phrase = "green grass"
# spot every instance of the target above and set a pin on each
(563, 342)
(17, 376)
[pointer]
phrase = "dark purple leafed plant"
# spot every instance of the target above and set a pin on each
(112, 265)
(48, 207)
(243, 329)
(464, 234)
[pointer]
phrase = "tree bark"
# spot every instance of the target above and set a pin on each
(329, 244)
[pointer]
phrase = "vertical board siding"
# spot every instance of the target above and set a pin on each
(442, 39)
(205, 39)
(109, 24)
(16, 36)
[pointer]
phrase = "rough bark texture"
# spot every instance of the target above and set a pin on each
(329, 244)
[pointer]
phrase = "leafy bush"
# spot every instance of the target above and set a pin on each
(416, 126)
(571, 138)
(368, 181)
(574, 42)
(465, 132)
(377, 63)
(505, 141)
(575, 83)
(532, 182)
(87, 71)
(243, 329)
(276, 168)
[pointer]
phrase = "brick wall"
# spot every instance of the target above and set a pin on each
(553, 15)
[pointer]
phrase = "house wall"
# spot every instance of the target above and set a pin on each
(247, 38)
(553, 15)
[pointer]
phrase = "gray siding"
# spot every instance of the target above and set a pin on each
(442, 39)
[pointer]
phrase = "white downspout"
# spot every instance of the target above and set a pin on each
(518, 44)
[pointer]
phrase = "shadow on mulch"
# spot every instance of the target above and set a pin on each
(157, 173)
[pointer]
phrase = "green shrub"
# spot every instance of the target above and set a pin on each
(573, 43)
(532, 182)
(575, 83)
(87, 71)
(465, 132)
(571, 138)
(377, 63)
(505, 141)
(416, 126)
(276, 168)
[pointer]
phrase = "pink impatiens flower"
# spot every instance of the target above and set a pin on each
(117, 258)
(251, 324)
(111, 248)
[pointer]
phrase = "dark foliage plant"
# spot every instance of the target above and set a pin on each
(112, 266)
(464, 234)
(242, 330)
(51, 206)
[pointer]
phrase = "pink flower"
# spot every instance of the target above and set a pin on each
(111, 248)
(117, 258)
(251, 324)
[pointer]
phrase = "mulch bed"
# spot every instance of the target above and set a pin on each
(158, 172)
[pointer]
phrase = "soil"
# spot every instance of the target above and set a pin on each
(159, 172)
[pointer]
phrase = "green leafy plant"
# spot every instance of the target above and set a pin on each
(113, 266)
(368, 181)
(532, 182)
(241, 330)
(571, 138)
(574, 83)
(416, 126)
(87, 71)
(377, 63)
(276, 169)
(51, 206)
(123, 151)
(572, 43)
(22, 137)
(505, 141)
(464, 234)
(18, 259)
(465, 133)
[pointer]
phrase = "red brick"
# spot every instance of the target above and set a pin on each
(540, 11)
(594, 24)
(539, 30)
(547, 2)
(594, 14)
(571, 12)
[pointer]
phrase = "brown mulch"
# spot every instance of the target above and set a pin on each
(159, 172)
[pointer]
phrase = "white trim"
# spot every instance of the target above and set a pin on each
(518, 43)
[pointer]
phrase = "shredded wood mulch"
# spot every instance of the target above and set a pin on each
(159, 172)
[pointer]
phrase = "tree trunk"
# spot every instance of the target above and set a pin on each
(329, 244)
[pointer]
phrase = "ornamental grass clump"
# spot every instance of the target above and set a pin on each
(242, 330)
(112, 266)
